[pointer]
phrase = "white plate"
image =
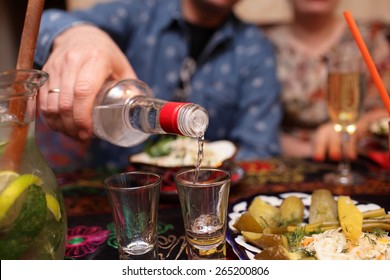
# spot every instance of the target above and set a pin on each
(246, 251)
(185, 153)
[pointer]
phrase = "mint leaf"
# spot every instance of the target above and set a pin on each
(26, 227)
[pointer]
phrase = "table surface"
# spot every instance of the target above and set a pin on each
(91, 231)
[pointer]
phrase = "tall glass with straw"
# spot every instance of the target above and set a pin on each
(345, 96)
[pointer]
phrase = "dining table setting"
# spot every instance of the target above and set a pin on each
(91, 232)
(188, 199)
(236, 209)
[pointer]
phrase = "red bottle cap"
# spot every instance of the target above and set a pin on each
(169, 117)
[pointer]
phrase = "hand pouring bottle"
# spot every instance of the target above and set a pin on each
(126, 113)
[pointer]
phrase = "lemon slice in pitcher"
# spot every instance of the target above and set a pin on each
(53, 206)
(7, 177)
(2, 146)
(14, 189)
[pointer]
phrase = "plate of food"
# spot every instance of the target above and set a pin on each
(317, 226)
(380, 127)
(171, 154)
(375, 145)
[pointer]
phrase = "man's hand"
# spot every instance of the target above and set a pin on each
(82, 59)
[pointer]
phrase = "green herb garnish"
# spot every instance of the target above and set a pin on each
(160, 147)
(26, 227)
(295, 237)
(378, 232)
(307, 252)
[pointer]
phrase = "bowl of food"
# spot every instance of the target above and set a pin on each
(170, 154)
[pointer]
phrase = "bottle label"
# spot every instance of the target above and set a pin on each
(169, 116)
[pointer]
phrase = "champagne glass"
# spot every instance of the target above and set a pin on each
(345, 96)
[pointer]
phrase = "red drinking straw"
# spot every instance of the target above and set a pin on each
(368, 59)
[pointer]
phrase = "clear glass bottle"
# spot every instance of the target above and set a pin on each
(32, 214)
(126, 114)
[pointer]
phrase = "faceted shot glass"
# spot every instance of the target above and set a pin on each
(204, 201)
(134, 198)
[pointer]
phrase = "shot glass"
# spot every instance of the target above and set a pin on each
(204, 197)
(134, 198)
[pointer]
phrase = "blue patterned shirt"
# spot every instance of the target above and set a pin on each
(234, 79)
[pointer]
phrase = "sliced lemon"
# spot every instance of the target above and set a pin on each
(351, 219)
(53, 206)
(2, 146)
(14, 189)
(6, 177)
(3, 143)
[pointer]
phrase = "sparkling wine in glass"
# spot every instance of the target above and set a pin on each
(345, 96)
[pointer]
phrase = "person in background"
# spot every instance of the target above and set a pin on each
(302, 47)
(192, 50)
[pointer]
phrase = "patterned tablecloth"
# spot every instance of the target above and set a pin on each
(91, 231)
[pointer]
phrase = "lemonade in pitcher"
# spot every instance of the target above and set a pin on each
(32, 215)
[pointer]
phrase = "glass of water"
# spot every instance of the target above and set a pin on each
(204, 197)
(134, 198)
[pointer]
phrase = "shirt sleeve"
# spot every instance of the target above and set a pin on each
(259, 114)
(116, 18)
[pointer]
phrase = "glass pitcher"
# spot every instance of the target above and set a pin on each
(32, 214)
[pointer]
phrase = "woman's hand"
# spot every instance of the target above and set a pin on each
(82, 59)
(326, 141)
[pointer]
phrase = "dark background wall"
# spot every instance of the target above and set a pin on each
(12, 19)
